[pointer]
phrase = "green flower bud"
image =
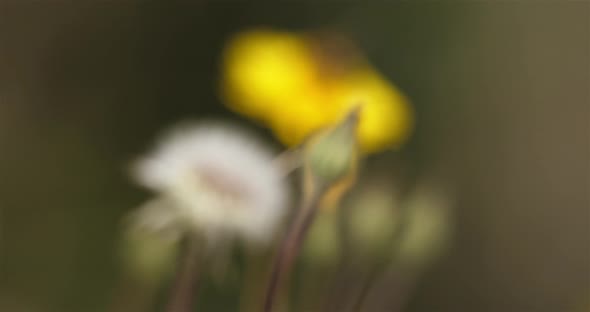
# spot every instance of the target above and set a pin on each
(373, 219)
(322, 245)
(148, 256)
(330, 156)
(428, 230)
(150, 244)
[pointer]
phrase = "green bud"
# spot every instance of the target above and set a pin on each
(148, 256)
(150, 243)
(322, 245)
(373, 219)
(428, 229)
(331, 155)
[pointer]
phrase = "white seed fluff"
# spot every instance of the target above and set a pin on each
(221, 180)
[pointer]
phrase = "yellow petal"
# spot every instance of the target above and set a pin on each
(297, 117)
(264, 67)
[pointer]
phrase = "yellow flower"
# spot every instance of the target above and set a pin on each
(295, 87)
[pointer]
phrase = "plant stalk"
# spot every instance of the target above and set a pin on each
(182, 295)
(292, 242)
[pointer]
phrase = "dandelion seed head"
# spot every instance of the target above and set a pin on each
(220, 178)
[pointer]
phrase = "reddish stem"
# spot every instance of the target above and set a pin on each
(182, 296)
(289, 249)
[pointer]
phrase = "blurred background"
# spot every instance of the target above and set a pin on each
(500, 89)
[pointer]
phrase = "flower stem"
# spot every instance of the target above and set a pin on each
(290, 248)
(182, 296)
(289, 160)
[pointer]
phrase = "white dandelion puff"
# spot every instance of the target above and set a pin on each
(218, 179)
